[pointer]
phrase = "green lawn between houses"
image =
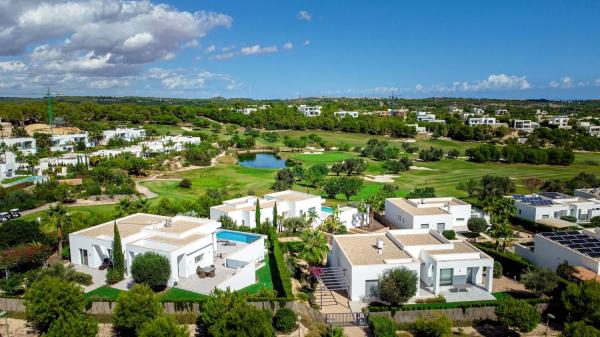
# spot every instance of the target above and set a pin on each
(263, 274)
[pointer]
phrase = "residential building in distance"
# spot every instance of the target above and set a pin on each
(290, 203)
(61, 163)
(592, 130)
(525, 125)
(342, 114)
(491, 121)
(580, 249)
(246, 111)
(455, 110)
(191, 245)
(478, 111)
(438, 214)
(554, 205)
(8, 165)
(25, 144)
(310, 111)
(402, 112)
(68, 142)
(425, 116)
(442, 267)
(561, 122)
(501, 112)
(127, 134)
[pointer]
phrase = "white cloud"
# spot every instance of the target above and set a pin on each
(12, 66)
(257, 49)
(288, 46)
(210, 49)
(419, 87)
(564, 83)
(494, 82)
(306, 42)
(597, 82)
(224, 56)
(92, 42)
(180, 79)
(304, 16)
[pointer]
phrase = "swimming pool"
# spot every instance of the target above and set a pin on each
(327, 209)
(236, 236)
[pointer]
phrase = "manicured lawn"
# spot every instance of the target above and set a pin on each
(96, 214)
(176, 295)
(105, 293)
(13, 179)
(265, 280)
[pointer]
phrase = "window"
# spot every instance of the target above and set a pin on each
(446, 276)
(424, 225)
(545, 216)
(441, 227)
(460, 219)
(84, 256)
(371, 288)
(199, 258)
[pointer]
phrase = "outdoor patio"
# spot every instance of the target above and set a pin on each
(98, 276)
(470, 292)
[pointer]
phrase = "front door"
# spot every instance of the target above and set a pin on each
(84, 256)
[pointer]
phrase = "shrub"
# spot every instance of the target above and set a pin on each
(73, 325)
(243, 320)
(135, 308)
(517, 314)
(539, 280)
(397, 285)
(477, 225)
(163, 326)
(382, 326)
(580, 329)
(50, 298)
(185, 183)
(65, 273)
(12, 285)
(569, 218)
(581, 302)
(281, 278)
(429, 300)
(151, 269)
(449, 234)
(436, 327)
(285, 320)
(497, 269)
(333, 331)
(113, 276)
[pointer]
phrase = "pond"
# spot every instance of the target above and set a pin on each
(262, 160)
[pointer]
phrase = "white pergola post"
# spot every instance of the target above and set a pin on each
(490, 277)
(436, 280)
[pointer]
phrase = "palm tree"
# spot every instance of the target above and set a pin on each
(314, 247)
(363, 208)
(123, 207)
(58, 216)
(312, 216)
(500, 211)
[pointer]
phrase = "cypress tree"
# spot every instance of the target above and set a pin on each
(275, 215)
(118, 258)
(257, 214)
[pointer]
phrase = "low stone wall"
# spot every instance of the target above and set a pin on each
(11, 304)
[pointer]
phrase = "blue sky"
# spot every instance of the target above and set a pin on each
(278, 49)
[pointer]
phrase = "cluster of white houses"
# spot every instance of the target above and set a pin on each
(538, 207)
(204, 256)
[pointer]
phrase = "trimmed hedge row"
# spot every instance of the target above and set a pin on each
(512, 264)
(449, 305)
(281, 276)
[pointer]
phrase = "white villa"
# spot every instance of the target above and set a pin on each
(454, 269)
(24, 144)
(438, 214)
(525, 125)
(310, 111)
(342, 114)
(580, 249)
(491, 121)
(127, 134)
(553, 205)
(592, 130)
(188, 243)
(290, 203)
(561, 122)
(67, 143)
(425, 116)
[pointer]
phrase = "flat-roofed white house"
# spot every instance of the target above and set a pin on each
(450, 268)
(439, 214)
(342, 114)
(553, 205)
(592, 130)
(525, 125)
(578, 248)
(490, 121)
(290, 203)
(24, 144)
(68, 142)
(127, 134)
(561, 122)
(310, 111)
(188, 243)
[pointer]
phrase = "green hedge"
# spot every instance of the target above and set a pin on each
(512, 264)
(530, 225)
(450, 305)
(282, 281)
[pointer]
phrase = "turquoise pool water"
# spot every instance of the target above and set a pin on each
(327, 209)
(236, 236)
